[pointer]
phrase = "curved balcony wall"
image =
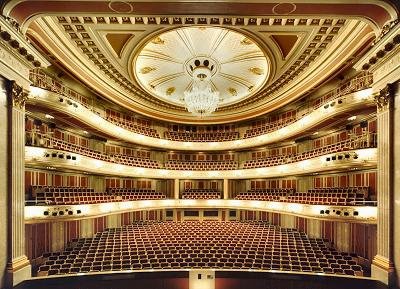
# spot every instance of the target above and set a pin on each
(363, 214)
(349, 103)
(36, 156)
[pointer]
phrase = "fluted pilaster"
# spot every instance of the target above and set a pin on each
(18, 263)
(382, 267)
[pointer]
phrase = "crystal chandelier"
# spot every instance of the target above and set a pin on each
(201, 100)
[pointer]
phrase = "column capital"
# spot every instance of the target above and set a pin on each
(384, 99)
(18, 95)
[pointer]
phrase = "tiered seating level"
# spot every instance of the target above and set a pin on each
(267, 127)
(42, 80)
(364, 141)
(129, 125)
(359, 82)
(346, 196)
(204, 194)
(55, 143)
(350, 196)
(274, 195)
(214, 136)
(201, 165)
(81, 195)
(194, 244)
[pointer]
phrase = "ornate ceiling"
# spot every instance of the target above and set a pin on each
(165, 64)
(267, 54)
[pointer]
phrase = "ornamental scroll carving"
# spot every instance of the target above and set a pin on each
(384, 98)
(18, 95)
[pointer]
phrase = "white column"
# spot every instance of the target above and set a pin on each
(176, 189)
(226, 189)
(18, 268)
(382, 265)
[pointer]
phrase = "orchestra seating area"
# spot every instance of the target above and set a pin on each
(140, 129)
(364, 141)
(272, 195)
(201, 165)
(205, 194)
(215, 136)
(50, 195)
(195, 244)
(350, 196)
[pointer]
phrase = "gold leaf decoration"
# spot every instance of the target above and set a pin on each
(232, 91)
(170, 90)
(256, 70)
(158, 40)
(147, 69)
(246, 41)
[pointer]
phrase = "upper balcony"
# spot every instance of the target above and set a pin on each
(49, 95)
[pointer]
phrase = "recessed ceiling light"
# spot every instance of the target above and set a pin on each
(352, 117)
(49, 116)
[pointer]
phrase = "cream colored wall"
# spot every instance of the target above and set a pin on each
(3, 182)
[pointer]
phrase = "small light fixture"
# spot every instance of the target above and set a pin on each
(316, 133)
(352, 118)
(49, 116)
(85, 132)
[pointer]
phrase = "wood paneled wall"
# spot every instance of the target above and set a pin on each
(54, 236)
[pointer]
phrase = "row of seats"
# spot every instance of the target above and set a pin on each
(135, 161)
(342, 196)
(50, 195)
(272, 195)
(195, 244)
(204, 194)
(349, 196)
(201, 165)
(364, 141)
(202, 136)
(129, 125)
(346, 196)
(268, 127)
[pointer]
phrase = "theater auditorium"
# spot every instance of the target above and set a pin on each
(199, 144)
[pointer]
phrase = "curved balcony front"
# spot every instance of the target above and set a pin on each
(332, 111)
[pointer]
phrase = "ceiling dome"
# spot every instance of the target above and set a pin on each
(166, 64)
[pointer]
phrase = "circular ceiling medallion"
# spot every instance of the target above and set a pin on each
(120, 6)
(166, 64)
(284, 8)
